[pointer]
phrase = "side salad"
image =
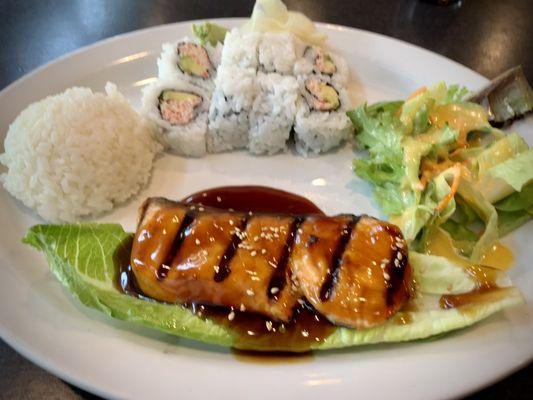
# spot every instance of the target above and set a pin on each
(441, 172)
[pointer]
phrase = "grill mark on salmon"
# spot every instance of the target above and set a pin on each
(328, 286)
(223, 270)
(279, 278)
(162, 272)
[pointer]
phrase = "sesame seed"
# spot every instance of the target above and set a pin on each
(231, 222)
(268, 325)
(301, 302)
(197, 241)
(305, 333)
(400, 256)
(253, 253)
(216, 268)
(274, 290)
(211, 239)
(242, 308)
(386, 276)
(231, 315)
(263, 251)
(255, 278)
(250, 213)
(231, 209)
(219, 199)
(300, 231)
(273, 265)
(250, 292)
(192, 207)
(397, 263)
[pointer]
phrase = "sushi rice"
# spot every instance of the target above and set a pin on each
(169, 68)
(232, 101)
(318, 131)
(273, 113)
(184, 139)
(255, 94)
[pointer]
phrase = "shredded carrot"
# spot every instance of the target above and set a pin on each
(431, 168)
(418, 91)
(453, 189)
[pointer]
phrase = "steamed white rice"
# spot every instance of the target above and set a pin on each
(77, 153)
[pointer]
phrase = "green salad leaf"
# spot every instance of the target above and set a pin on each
(87, 258)
(209, 32)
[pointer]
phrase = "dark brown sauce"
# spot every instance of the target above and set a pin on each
(254, 199)
(307, 328)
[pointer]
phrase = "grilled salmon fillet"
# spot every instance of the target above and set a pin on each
(353, 270)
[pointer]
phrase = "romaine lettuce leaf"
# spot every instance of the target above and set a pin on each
(86, 258)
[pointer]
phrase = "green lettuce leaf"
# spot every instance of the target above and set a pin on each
(515, 210)
(86, 258)
(210, 33)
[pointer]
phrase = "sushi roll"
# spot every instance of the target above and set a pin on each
(273, 113)
(231, 104)
(180, 110)
(189, 61)
(315, 60)
(240, 49)
(277, 53)
(321, 122)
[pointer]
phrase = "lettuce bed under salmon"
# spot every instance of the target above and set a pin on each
(87, 259)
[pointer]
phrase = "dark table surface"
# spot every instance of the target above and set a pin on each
(487, 36)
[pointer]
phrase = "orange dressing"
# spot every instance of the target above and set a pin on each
(457, 116)
(498, 256)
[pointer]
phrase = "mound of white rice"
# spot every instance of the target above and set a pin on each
(77, 153)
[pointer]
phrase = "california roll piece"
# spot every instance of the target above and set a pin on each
(277, 53)
(190, 61)
(231, 104)
(179, 109)
(316, 60)
(273, 113)
(240, 49)
(321, 122)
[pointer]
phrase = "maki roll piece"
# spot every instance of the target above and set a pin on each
(240, 49)
(318, 61)
(273, 113)
(277, 53)
(179, 110)
(231, 104)
(189, 61)
(321, 122)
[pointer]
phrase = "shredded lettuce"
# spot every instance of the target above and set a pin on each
(86, 258)
(434, 160)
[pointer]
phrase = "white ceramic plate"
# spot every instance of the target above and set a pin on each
(115, 359)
